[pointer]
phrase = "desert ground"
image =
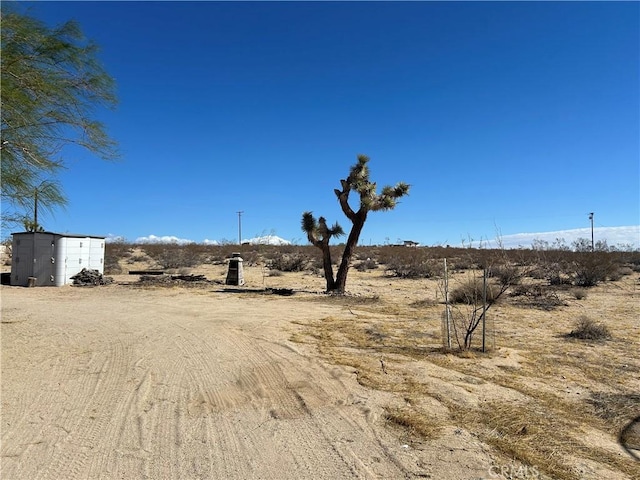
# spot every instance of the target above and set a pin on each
(199, 380)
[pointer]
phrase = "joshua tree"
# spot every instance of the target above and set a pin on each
(319, 233)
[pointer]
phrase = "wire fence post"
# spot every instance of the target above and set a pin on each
(484, 309)
(446, 302)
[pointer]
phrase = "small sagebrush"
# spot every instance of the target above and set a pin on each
(588, 329)
(364, 265)
(579, 293)
(471, 292)
(412, 267)
(289, 262)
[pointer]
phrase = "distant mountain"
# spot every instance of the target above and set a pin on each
(163, 239)
(614, 236)
(170, 239)
(267, 240)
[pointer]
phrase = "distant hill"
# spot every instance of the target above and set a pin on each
(267, 240)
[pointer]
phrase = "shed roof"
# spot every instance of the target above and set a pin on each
(72, 235)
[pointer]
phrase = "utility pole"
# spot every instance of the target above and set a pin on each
(35, 210)
(240, 227)
(592, 244)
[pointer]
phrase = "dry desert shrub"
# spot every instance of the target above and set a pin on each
(404, 262)
(506, 274)
(249, 257)
(553, 272)
(535, 295)
(391, 252)
(620, 272)
(289, 262)
(592, 268)
(118, 250)
(412, 268)
(138, 257)
(114, 252)
(588, 329)
(471, 292)
(579, 293)
(366, 264)
(173, 256)
(112, 266)
(424, 303)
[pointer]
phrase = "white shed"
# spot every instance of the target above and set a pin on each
(53, 258)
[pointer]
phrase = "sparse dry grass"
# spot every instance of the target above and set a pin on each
(414, 421)
(569, 387)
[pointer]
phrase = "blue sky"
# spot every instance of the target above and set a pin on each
(505, 117)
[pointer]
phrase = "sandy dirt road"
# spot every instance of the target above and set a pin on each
(120, 382)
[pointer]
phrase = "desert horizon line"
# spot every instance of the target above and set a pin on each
(628, 235)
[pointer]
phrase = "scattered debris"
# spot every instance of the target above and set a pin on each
(384, 367)
(170, 280)
(281, 291)
(88, 277)
(190, 278)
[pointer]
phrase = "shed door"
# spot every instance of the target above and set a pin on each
(21, 260)
(43, 266)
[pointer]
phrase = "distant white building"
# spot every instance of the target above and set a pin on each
(51, 259)
(411, 243)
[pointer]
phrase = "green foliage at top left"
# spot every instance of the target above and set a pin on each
(52, 84)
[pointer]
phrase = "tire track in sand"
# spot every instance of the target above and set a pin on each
(244, 390)
(341, 420)
(191, 392)
(60, 426)
(141, 436)
(93, 408)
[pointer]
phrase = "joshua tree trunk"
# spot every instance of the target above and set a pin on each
(349, 249)
(319, 234)
(328, 267)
